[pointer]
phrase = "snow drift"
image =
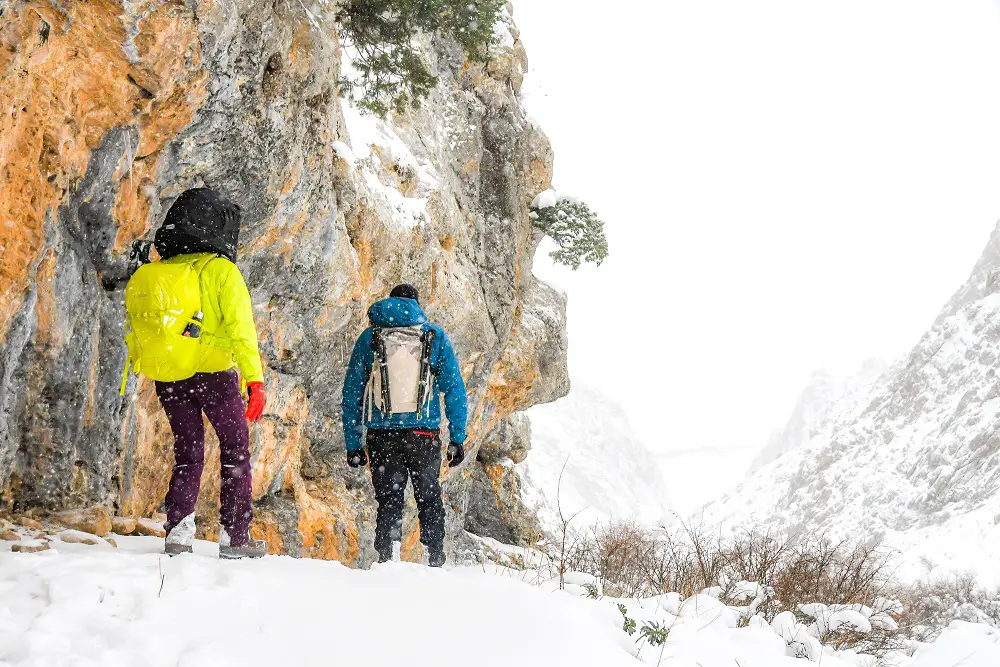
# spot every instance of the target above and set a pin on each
(84, 606)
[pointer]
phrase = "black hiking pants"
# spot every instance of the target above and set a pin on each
(396, 456)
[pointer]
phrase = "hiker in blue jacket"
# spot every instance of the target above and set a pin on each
(400, 366)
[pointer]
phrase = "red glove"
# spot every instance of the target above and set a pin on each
(255, 408)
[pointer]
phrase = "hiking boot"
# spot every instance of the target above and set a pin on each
(180, 539)
(177, 549)
(435, 557)
(391, 556)
(249, 549)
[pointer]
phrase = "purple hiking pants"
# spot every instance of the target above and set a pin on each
(218, 395)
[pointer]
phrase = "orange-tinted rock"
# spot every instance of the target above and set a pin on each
(80, 537)
(123, 526)
(265, 527)
(67, 81)
(150, 528)
(95, 520)
(30, 548)
(9, 536)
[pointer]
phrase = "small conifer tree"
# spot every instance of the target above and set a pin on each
(576, 229)
(392, 75)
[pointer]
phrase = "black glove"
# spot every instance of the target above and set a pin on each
(358, 458)
(456, 454)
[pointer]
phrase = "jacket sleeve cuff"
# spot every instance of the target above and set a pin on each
(251, 375)
(353, 441)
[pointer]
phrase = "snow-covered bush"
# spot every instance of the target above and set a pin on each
(824, 598)
(623, 555)
(933, 603)
(819, 593)
(391, 73)
(872, 630)
(631, 559)
(576, 229)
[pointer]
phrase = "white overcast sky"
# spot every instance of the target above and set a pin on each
(787, 185)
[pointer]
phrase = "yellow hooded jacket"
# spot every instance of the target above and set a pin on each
(228, 333)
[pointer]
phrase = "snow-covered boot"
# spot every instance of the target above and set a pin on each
(249, 549)
(435, 556)
(390, 555)
(180, 539)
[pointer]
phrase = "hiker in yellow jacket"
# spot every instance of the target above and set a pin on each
(191, 329)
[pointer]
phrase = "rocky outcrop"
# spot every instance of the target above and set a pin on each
(111, 109)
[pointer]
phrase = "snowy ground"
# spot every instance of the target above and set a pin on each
(84, 606)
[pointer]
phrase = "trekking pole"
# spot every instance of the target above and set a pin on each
(138, 255)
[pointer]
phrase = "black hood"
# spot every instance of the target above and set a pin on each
(200, 220)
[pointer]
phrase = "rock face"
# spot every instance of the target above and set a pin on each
(917, 462)
(111, 109)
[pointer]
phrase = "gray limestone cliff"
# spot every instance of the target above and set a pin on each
(111, 109)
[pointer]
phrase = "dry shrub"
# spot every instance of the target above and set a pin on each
(626, 551)
(933, 602)
(632, 560)
(819, 570)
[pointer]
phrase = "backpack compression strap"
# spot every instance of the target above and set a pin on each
(381, 359)
(423, 391)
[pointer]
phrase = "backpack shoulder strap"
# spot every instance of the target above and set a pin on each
(199, 265)
(426, 370)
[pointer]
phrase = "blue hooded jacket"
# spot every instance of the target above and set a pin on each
(397, 312)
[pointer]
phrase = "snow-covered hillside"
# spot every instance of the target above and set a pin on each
(919, 463)
(94, 606)
(827, 398)
(609, 471)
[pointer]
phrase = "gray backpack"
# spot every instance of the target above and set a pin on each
(401, 374)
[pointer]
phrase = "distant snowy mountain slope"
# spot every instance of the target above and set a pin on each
(919, 466)
(825, 399)
(609, 471)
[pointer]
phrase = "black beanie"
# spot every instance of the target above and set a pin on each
(405, 291)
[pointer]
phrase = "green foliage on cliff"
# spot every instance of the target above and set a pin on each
(576, 229)
(390, 71)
